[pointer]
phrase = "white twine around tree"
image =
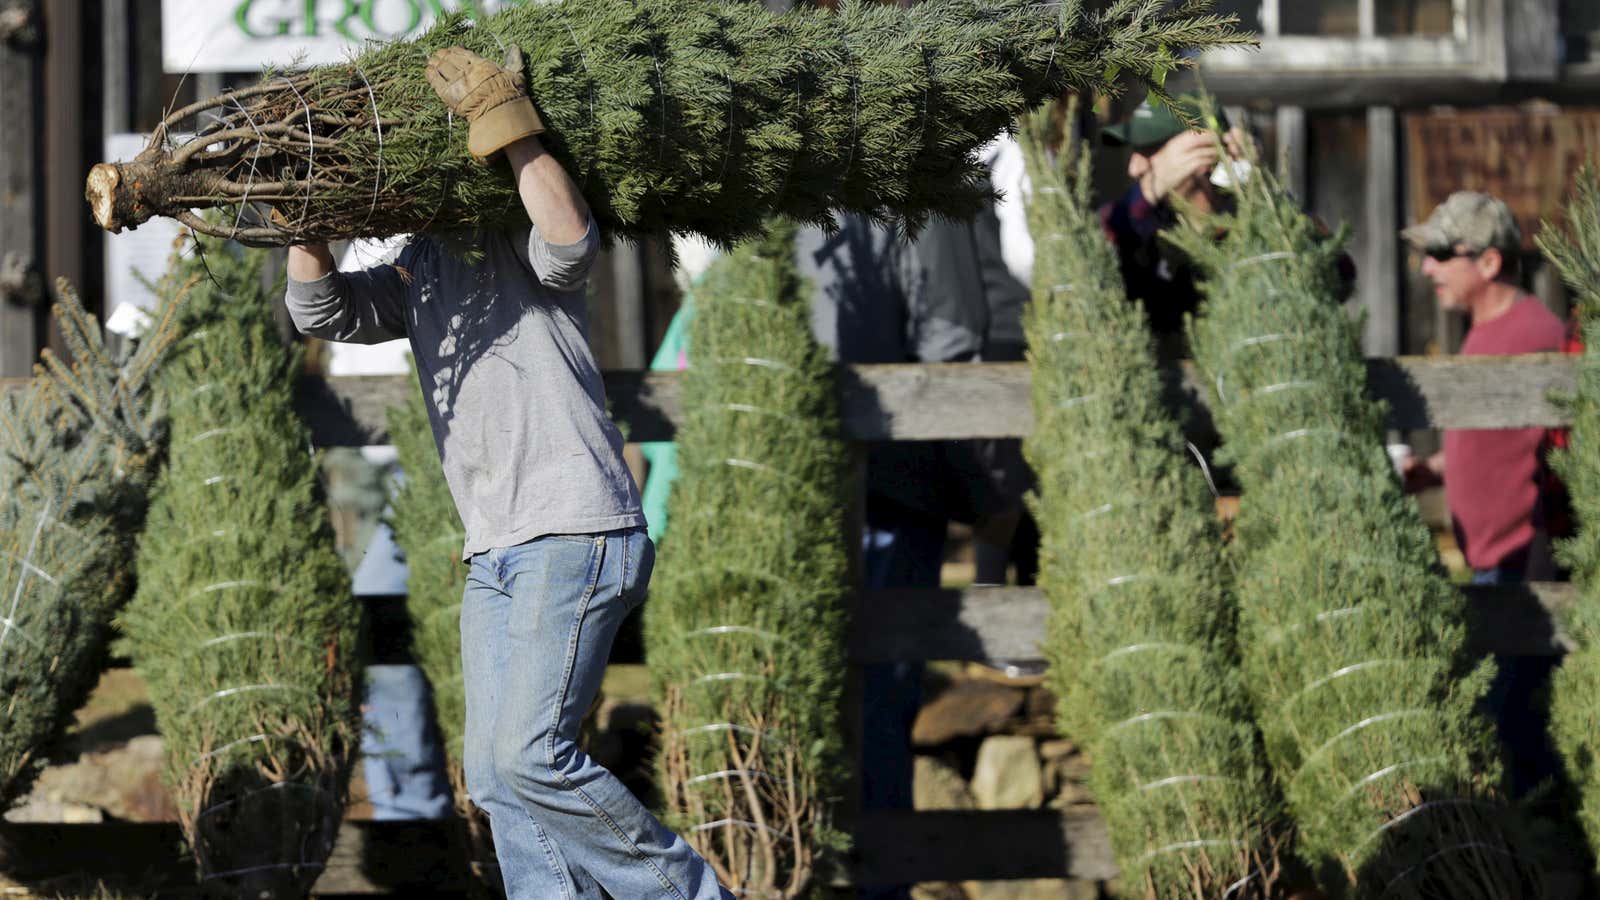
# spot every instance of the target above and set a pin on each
(377, 122)
(9, 622)
(251, 183)
(311, 151)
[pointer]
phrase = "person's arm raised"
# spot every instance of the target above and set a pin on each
(309, 262)
(554, 204)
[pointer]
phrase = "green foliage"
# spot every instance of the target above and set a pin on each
(682, 115)
(79, 446)
(1142, 625)
(244, 625)
(1574, 713)
(429, 530)
(1351, 635)
(745, 625)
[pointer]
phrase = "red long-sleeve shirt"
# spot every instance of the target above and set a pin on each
(1493, 477)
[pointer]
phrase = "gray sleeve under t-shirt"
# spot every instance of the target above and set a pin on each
(498, 331)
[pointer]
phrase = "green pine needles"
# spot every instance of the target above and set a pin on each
(1351, 635)
(745, 625)
(1141, 641)
(79, 446)
(244, 625)
(681, 115)
(429, 530)
(1574, 712)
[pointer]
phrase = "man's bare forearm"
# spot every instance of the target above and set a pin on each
(553, 202)
(309, 262)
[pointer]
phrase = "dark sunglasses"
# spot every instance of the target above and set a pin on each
(1445, 254)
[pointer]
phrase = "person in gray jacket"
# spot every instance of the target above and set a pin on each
(555, 537)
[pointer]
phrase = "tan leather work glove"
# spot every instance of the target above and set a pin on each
(493, 99)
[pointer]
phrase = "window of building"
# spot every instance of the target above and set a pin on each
(1424, 18)
(1248, 11)
(1580, 24)
(1358, 18)
(1323, 18)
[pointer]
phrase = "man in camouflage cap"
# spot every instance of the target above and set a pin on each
(1496, 482)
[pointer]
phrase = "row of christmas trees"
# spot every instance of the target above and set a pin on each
(1318, 675)
(167, 490)
(1313, 673)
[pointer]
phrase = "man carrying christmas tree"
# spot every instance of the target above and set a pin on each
(555, 535)
(1494, 479)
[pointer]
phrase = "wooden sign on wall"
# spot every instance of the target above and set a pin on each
(1526, 158)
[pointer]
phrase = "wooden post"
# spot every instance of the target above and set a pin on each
(116, 68)
(65, 225)
(1367, 17)
(1292, 153)
(21, 221)
(627, 304)
(1380, 270)
(1531, 37)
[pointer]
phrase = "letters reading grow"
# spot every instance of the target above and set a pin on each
(353, 20)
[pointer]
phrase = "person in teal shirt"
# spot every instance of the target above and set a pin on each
(673, 354)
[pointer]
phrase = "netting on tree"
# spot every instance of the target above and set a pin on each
(1352, 636)
(745, 625)
(1574, 715)
(1141, 639)
(681, 115)
(78, 450)
(243, 625)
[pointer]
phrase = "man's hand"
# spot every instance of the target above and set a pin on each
(309, 262)
(1180, 162)
(1419, 474)
(493, 99)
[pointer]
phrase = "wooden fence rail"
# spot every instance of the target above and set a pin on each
(1006, 624)
(991, 400)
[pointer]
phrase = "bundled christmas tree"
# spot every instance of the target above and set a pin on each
(1574, 713)
(1351, 634)
(244, 625)
(745, 625)
(683, 115)
(79, 445)
(429, 530)
(1141, 640)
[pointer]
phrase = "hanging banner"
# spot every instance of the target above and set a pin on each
(251, 35)
(1525, 157)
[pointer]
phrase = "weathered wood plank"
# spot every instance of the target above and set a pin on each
(423, 858)
(958, 401)
(955, 401)
(21, 198)
(1380, 270)
(898, 847)
(1007, 624)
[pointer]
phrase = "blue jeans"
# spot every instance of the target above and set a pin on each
(402, 754)
(537, 621)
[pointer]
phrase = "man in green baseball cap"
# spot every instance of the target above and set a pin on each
(1171, 161)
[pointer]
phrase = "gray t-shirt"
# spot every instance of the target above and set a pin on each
(514, 396)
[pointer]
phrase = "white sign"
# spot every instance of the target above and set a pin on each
(138, 253)
(251, 35)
